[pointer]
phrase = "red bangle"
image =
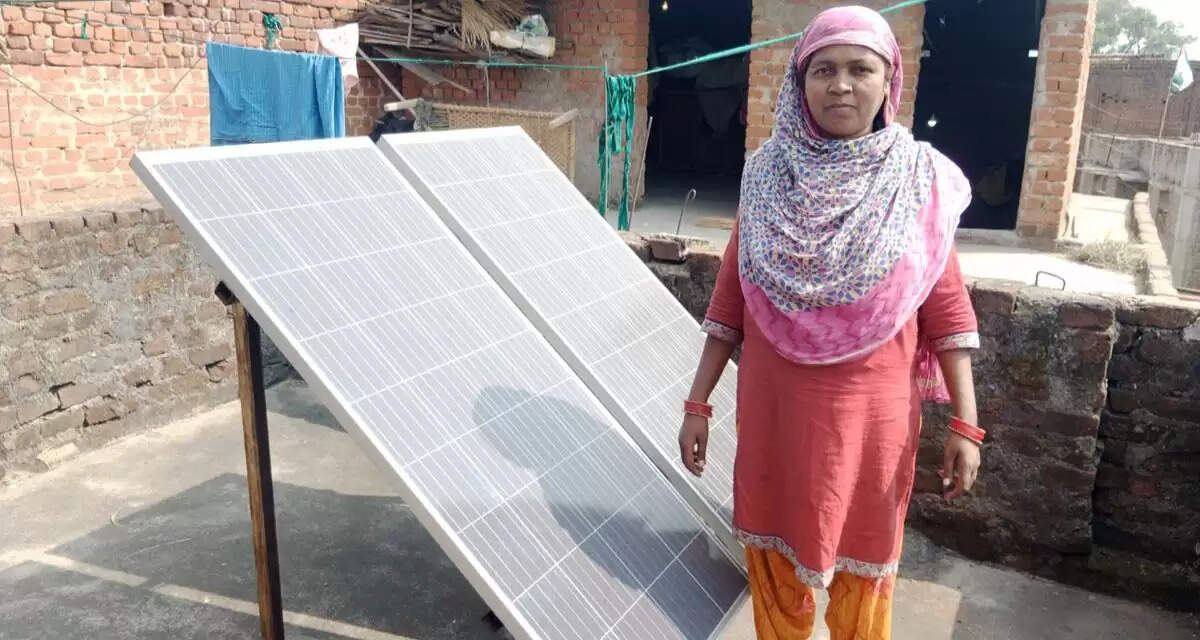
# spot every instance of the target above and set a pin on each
(967, 430)
(702, 409)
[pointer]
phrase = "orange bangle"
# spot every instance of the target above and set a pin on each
(702, 409)
(967, 430)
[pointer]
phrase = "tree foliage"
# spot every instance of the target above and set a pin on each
(1123, 28)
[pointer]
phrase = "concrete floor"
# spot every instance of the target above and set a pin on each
(987, 254)
(149, 538)
(710, 216)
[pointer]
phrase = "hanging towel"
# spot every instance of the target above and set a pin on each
(342, 42)
(257, 95)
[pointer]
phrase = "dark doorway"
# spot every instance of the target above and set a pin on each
(699, 133)
(975, 95)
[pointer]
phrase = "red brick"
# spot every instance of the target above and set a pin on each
(1073, 56)
(64, 59)
(103, 59)
(1053, 131)
(50, 142)
(1067, 41)
(20, 28)
(1068, 86)
(33, 58)
(1064, 70)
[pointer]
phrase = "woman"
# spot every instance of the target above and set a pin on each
(841, 284)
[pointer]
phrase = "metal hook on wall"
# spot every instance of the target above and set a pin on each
(1037, 279)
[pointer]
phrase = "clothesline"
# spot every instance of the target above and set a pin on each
(616, 134)
(620, 112)
(272, 22)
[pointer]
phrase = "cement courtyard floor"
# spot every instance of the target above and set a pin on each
(150, 538)
(986, 254)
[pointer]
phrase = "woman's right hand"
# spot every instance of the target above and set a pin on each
(693, 441)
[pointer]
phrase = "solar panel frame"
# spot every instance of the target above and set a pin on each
(146, 164)
(664, 455)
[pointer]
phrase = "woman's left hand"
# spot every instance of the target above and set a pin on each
(960, 467)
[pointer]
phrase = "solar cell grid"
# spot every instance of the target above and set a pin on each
(507, 457)
(623, 332)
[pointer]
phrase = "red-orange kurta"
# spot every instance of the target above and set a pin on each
(826, 454)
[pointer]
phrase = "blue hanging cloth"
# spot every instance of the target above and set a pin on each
(257, 95)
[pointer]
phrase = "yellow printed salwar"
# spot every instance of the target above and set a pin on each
(785, 608)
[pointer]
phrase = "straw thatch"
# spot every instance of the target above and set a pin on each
(455, 27)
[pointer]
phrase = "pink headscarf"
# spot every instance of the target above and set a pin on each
(841, 241)
(854, 26)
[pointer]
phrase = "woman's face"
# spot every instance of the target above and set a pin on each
(845, 86)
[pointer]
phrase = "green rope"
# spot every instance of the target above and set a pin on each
(83, 31)
(620, 91)
(616, 136)
(755, 45)
(273, 26)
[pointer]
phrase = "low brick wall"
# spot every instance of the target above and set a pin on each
(1040, 384)
(1147, 500)
(108, 325)
(1091, 475)
(1091, 472)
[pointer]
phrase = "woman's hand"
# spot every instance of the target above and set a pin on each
(693, 442)
(960, 467)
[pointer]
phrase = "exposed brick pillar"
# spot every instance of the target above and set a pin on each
(1058, 107)
(775, 18)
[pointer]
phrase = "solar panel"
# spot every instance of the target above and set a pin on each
(609, 316)
(521, 475)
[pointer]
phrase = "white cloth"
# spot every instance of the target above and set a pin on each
(342, 43)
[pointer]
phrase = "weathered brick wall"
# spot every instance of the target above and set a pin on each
(1125, 96)
(1147, 501)
(150, 62)
(1091, 471)
(1040, 385)
(776, 18)
(588, 32)
(1058, 103)
(108, 324)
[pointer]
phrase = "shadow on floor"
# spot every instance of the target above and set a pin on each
(295, 399)
(360, 560)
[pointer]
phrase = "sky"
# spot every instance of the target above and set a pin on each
(1185, 12)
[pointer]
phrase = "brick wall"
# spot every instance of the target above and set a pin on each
(1040, 385)
(588, 32)
(1058, 102)
(776, 18)
(108, 325)
(1125, 96)
(1091, 471)
(1147, 500)
(1061, 84)
(153, 62)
